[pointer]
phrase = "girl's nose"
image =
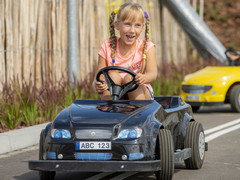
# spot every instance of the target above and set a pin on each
(132, 29)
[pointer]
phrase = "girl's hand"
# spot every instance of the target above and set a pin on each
(100, 87)
(140, 79)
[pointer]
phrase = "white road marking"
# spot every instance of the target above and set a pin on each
(207, 139)
(222, 132)
(124, 175)
(217, 128)
(230, 126)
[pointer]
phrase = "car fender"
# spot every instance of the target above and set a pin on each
(228, 83)
(47, 129)
(183, 125)
(150, 141)
(62, 121)
(231, 86)
(151, 130)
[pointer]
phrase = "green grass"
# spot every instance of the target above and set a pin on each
(214, 10)
(224, 18)
(29, 105)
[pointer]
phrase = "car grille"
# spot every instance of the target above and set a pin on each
(195, 89)
(93, 134)
(93, 156)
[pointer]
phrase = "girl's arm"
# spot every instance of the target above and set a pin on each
(98, 86)
(101, 63)
(150, 73)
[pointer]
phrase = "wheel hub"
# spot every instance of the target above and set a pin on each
(201, 145)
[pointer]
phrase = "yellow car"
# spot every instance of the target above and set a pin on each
(214, 85)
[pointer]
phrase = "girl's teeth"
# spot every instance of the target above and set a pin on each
(130, 36)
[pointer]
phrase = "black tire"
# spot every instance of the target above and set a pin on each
(166, 154)
(195, 108)
(44, 175)
(235, 98)
(41, 143)
(195, 139)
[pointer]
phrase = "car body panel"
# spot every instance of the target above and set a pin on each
(220, 78)
(104, 166)
(101, 121)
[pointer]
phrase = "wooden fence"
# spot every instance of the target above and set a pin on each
(33, 37)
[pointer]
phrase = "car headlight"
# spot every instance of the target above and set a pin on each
(130, 133)
(60, 133)
(186, 77)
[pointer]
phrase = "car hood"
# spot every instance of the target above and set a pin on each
(209, 74)
(96, 113)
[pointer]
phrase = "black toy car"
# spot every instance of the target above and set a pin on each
(121, 135)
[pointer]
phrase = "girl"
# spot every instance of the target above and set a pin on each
(129, 51)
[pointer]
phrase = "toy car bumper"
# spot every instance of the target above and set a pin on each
(94, 166)
(105, 166)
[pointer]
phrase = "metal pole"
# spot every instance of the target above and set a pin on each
(72, 41)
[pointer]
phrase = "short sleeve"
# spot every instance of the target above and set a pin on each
(103, 50)
(149, 46)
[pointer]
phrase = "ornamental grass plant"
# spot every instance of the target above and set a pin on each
(27, 105)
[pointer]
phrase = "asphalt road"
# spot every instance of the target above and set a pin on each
(222, 160)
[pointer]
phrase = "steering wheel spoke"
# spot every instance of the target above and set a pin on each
(130, 85)
(109, 81)
(117, 91)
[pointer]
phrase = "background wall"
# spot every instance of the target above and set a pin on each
(33, 37)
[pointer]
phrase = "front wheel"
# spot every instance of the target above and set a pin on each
(44, 175)
(166, 153)
(235, 98)
(195, 139)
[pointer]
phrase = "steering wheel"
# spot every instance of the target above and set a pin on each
(117, 91)
(232, 62)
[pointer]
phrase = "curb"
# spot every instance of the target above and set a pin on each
(20, 138)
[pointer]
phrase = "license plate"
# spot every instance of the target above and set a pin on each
(89, 145)
(193, 98)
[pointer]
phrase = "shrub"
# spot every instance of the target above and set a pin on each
(28, 105)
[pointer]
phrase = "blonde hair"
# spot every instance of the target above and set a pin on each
(131, 11)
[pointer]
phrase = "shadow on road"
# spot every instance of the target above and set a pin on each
(215, 109)
(33, 175)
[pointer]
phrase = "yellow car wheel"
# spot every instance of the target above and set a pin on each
(235, 98)
(195, 108)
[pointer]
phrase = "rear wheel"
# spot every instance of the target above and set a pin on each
(195, 108)
(235, 98)
(195, 139)
(44, 175)
(166, 154)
